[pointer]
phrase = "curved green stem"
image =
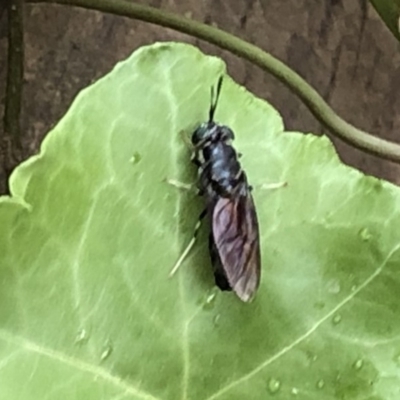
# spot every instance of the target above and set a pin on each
(317, 105)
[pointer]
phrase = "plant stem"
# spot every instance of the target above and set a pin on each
(11, 142)
(316, 104)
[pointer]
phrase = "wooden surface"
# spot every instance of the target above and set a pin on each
(340, 46)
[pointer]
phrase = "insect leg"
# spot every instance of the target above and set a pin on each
(190, 245)
(186, 140)
(194, 159)
(272, 186)
(181, 185)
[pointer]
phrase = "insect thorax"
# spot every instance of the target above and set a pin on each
(219, 169)
(210, 132)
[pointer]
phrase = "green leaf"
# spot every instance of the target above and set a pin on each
(389, 11)
(87, 310)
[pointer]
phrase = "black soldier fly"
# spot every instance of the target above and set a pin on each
(234, 239)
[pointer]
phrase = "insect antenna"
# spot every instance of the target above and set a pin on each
(214, 101)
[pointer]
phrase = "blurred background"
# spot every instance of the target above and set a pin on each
(340, 47)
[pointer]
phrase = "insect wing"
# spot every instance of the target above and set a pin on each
(236, 237)
(219, 273)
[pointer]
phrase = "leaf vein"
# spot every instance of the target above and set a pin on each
(74, 363)
(173, 102)
(307, 334)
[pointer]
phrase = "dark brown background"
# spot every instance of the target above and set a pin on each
(341, 47)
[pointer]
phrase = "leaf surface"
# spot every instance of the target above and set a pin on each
(87, 310)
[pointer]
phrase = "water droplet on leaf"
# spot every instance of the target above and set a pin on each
(107, 350)
(334, 286)
(358, 364)
(211, 298)
(365, 235)
(209, 302)
(312, 357)
(274, 385)
(216, 320)
(82, 337)
(136, 157)
(336, 319)
(320, 384)
(295, 391)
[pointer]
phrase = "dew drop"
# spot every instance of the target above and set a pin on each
(274, 385)
(295, 391)
(311, 357)
(82, 337)
(358, 364)
(217, 320)
(107, 350)
(334, 286)
(320, 384)
(211, 298)
(136, 157)
(336, 319)
(365, 235)
(209, 302)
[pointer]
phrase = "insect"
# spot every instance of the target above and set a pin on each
(234, 238)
